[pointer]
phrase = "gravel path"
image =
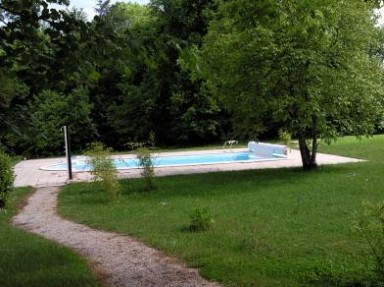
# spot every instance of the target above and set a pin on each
(121, 260)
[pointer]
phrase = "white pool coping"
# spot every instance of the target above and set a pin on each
(28, 172)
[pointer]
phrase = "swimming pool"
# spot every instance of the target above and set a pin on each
(81, 164)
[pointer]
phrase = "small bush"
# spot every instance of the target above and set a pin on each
(370, 225)
(6, 178)
(103, 169)
(146, 163)
(201, 220)
(285, 137)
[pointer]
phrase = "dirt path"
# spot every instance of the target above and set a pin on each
(121, 260)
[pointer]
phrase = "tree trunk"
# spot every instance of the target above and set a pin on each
(308, 156)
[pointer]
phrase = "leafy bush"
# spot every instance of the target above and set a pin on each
(370, 225)
(146, 163)
(285, 137)
(103, 169)
(49, 111)
(6, 178)
(201, 220)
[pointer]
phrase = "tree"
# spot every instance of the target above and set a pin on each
(49, 112)
(118, 103)
(10, 88)
(102, 7)
(127, 16)
(141, 86)
(41, 49)
(20, 45)
(184, 111)
(306, 64)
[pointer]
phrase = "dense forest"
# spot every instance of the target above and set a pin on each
(181, 72)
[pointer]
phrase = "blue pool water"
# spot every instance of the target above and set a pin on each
(167, 161)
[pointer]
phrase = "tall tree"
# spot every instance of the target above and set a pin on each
(22, 44)
(184, 111)
(11, 88)
(141, 86)
(42, 48)
(307, 64)
(117, 58)
(102, 7)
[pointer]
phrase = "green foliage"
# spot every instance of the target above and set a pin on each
(6, 178)
(103, 169)
(285, 137)
(48, 116)
(182, 111)
(130, 84)
(11, 89)
(201, 220)
(305, 65)
(49, 112)
(122, 106)
(130, 16)
(146, 164)
(370, 226)
(41, 54)
(150, 143)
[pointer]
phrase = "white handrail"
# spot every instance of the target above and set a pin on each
(230, 143)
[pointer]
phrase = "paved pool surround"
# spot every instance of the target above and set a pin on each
(28, 172)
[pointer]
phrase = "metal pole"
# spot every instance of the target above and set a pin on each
(68, 151)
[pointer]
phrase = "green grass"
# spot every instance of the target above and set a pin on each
(28, 260)
(272, 227)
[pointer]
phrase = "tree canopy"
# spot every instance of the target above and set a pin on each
(307, 65)
(188, 72)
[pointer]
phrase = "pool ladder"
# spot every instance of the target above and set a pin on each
(230, 143)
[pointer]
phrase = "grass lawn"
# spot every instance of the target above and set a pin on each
(29, 260)
(272, 227)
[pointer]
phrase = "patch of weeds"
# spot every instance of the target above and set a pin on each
(255, 242)
(331, 274)
(370, 226)
(201, 220)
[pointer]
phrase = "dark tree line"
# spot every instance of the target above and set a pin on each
(187, 72)
(115, 78)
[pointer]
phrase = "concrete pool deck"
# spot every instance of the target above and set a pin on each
(28, 172)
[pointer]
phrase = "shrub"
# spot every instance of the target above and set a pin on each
(50, 110)
(103, 169)
(201, 220)
(146, 163)
(370, 225)
(285, 137)
(6, 178)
